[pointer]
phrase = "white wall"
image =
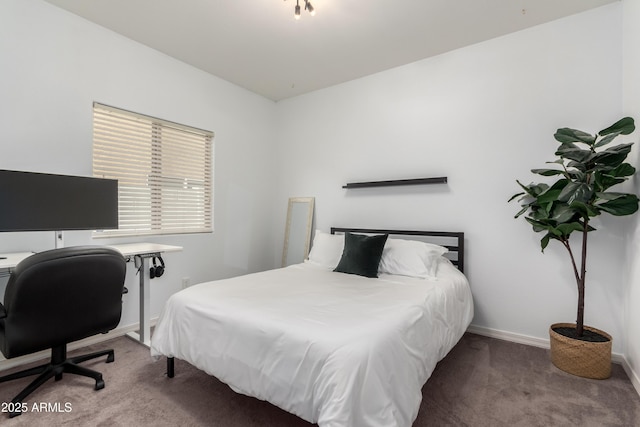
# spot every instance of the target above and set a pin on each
(631, 99)
(54, 65)
(483, 116)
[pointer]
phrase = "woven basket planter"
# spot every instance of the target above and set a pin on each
(582, 358)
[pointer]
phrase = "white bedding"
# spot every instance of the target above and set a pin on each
(335, 349)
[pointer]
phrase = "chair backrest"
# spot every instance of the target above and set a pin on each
(62, 295)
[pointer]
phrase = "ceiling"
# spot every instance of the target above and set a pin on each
(259, 45)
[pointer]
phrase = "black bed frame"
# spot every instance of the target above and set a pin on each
(452, 240)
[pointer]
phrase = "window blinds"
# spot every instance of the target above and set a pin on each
(164, 172)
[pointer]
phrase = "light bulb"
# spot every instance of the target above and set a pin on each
(297, 11)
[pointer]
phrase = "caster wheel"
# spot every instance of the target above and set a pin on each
(111, 358)
(99, 384)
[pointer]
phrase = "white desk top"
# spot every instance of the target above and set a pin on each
(129, 249)
(12, 259)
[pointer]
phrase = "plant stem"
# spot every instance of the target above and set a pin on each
(581, 281)
(566, 244)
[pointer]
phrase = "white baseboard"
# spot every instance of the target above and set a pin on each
(525, 339)
(46, 354)
(508, 336)
(633, 376)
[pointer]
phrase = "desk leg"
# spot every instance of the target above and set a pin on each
(144, 334)
(145, 298)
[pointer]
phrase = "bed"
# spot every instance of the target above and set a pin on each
(334, 348)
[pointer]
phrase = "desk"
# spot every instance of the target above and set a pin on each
(130, 251)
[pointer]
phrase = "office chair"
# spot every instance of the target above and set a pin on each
(56, 297)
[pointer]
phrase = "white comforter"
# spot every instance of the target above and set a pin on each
(332, 348)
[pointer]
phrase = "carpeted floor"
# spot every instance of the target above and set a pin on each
(482, 382)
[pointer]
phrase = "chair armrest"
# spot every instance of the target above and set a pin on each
(3, 311)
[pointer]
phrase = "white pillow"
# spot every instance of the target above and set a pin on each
(327, 249)
(411, 258)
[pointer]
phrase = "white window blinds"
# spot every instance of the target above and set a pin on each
(164, 172)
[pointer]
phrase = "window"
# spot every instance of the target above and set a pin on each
(163, 169)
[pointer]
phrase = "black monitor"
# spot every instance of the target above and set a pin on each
(44, 202)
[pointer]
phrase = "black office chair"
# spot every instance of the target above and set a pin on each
(56, 297)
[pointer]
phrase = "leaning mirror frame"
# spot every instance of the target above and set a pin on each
(297, 237)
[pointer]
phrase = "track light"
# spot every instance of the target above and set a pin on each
(307, 6)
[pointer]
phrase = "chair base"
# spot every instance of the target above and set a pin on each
(58, 365)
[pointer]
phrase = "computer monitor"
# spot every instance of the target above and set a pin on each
(32, 201)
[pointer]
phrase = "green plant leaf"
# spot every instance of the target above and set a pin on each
(541, 216)
(559, 184)
(514, 196)
(585, 210)
(523, 210)
(625, 126)
(576, 191)
(537, 225)
(534, 189)
(547, 172)
(613, 156)
(577, 176)
(545, 241)
(625, 204)
(573, 135)
(607, 139)
(548, 196)
(610, 195)
(563, 213)
(570, 227)
(577, 154)
(576, 165)
(624, 169)
(555, 233)
(605, 181)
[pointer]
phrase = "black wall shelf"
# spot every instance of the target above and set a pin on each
(395, 182)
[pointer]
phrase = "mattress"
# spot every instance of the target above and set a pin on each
(335, 349)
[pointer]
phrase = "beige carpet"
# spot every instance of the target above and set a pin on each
(482, 382)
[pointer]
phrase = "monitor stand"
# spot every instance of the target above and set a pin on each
(59, 240)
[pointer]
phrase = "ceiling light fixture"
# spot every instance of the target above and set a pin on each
(307, 6)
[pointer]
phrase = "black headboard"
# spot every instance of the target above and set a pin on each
(452, 240)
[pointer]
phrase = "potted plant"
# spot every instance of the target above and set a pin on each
(586, 168)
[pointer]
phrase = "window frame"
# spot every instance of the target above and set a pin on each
(164, 171)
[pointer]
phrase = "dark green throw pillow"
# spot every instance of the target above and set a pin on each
(361, 254)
